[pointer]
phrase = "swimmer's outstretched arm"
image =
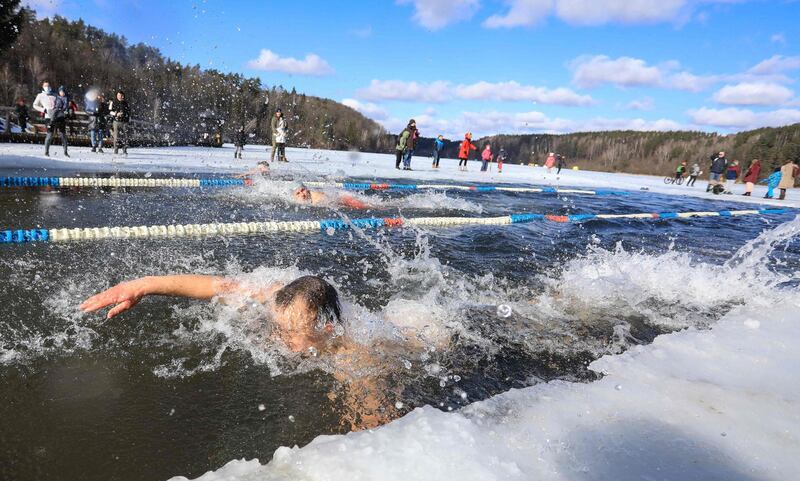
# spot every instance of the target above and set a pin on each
(125, 295)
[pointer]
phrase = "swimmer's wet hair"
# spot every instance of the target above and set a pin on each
(318, 293)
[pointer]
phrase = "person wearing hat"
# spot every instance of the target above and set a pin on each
(438, 146)
(463, 151)
(58, 121)
(410, 143)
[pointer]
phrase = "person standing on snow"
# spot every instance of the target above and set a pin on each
(280, 131)
(719, 164)
(22, 114)
(789, 171)
(120, 111)
(438, 146)
(411, 144)
(561, 162)
(550, 162)
(486, 155)
(463, 151)
(501, 157)
(239, 139)
(694, 174)
(751, 176)
(45, 103)
(772, 182)
(98, 110)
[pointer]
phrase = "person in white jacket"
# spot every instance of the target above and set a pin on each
(54, 113)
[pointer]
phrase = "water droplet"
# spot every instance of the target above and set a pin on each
(147, 175)
(723, 434)
(172, 411)
(261, 407)
(398, 405)
(406, 364)
(463, 395)
(442, 383)
(313, 351)
(504, 310)
(330, 231)
(618, 387)
(291, 418)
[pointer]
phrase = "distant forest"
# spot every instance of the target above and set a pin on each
(170, 94)
(175, 96)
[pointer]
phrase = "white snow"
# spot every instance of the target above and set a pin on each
(717, 404)
(313, 163)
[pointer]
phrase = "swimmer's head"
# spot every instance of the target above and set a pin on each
(307, 311)
(302, 194)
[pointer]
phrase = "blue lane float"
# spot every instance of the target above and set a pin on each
(331, 226)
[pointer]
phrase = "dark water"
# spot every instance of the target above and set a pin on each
(177, 387)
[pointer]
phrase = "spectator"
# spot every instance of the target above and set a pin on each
(279, 136)
(274, 129)
(239, 139)
(772, 182)
(438, 146)
(55, 110)
(719, 164)
(751, 177)
(486, 156)
(463, 151)
(680, 171)
(694, 174)
(550, 162)
(411, 144)
(561, 162)
(120, 112)
(789, 171)
(22, 114)
(97, 109)
(501, 157)
(732, 175)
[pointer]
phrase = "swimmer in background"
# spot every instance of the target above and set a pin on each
(306, 314)
(262, 168)
(315, 197)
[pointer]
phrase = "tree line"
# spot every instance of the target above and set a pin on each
(181, 98)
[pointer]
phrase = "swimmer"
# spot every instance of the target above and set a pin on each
(315, 197)
(262, 168)
(305, 311)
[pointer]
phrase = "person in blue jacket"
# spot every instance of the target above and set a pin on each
(772, 181)
(438, 146)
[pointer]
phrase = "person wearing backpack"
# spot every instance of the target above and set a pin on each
(402, 144)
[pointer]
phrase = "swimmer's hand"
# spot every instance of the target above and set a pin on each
(127, 294)
(122, 296)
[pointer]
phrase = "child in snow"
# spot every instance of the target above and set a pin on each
(772, 182)
(486, 155)
(501, 157)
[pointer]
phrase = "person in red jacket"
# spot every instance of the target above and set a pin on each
(751, 176)
(463, 151)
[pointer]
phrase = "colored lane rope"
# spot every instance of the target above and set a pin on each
(330, 226)
(118, 182)
(474, 188)
(228, 182)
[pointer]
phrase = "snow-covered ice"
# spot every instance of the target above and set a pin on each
(312, 163)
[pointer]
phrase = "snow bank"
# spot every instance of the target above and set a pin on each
(315, 163)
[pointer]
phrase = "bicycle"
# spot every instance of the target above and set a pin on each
(673, 180)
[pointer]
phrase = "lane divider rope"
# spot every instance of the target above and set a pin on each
(473, 188)
(330, 226)
(118, 182)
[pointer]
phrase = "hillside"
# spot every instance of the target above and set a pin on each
(169, 94)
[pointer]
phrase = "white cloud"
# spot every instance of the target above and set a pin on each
(645, 103)
(778, 38)
(434, 92)
(733, 118)
(753, 93)
(441, 91)
(622, 71)
(776, 65)
(521, 13)
(269, 61)
(369, 109)
(596, 12)
(691, 83)
(437, 14)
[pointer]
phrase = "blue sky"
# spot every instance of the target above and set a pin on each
(493, 66)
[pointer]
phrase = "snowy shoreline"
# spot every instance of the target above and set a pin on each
(314, 163)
